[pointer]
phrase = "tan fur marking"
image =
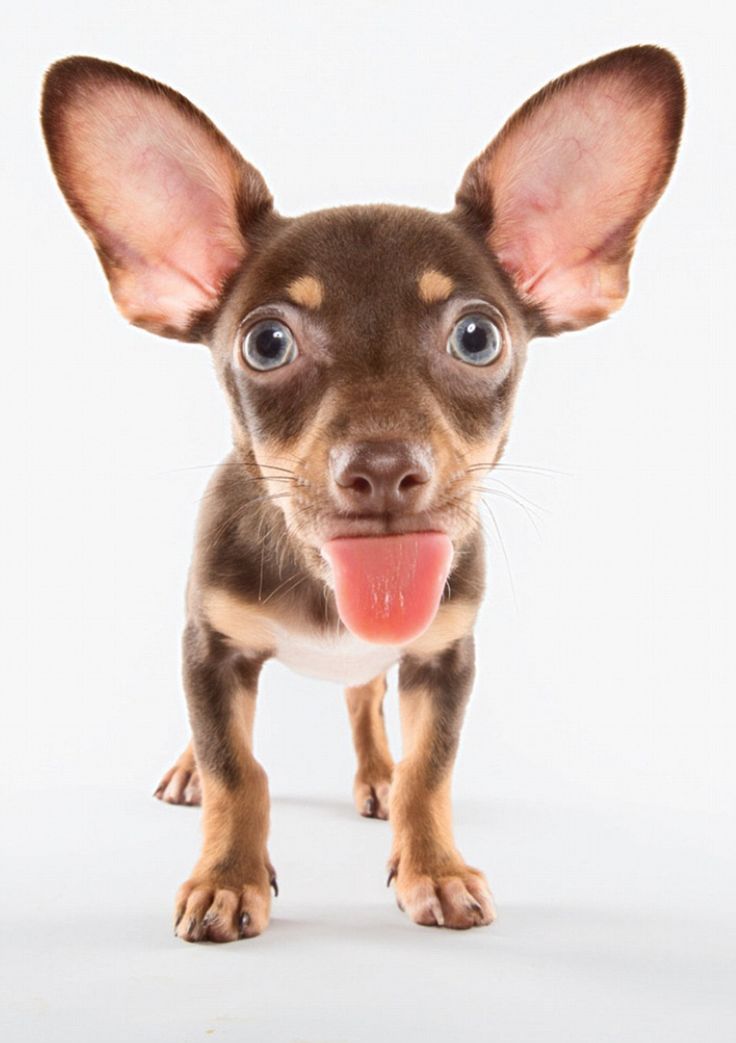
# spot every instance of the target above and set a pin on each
(433, 884)
(375, 764)
(452, 621)
(421, 815)
(242, 623)
(307, 292)
(236, 822)
(235, 827)
(434, 286)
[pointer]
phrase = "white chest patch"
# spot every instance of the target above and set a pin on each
(343, 658)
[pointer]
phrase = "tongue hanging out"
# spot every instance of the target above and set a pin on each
(388, 588)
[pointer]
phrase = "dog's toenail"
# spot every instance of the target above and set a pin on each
(275, 886)
(391, 875)
(369, 808)
(244, 922)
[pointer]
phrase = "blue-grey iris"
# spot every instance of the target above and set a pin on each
(476, 340)
(269, 345)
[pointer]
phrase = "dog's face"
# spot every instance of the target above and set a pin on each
(370, 354)
(383, 404)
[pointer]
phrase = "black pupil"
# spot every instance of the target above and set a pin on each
(474, 338)
(270, 342)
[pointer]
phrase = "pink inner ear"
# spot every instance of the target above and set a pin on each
(570, 183)
(157, 191)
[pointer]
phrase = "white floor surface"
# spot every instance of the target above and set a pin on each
(613, 925)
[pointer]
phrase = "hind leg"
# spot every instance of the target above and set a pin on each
(375, 765)
(180, 784)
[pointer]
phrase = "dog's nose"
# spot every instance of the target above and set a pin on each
(375, 477)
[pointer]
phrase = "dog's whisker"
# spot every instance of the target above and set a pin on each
(274, 467)
(512, 499)
(243, 509)
(515, 492)
(224, 465)
(505, 493)
(217, 491)
(549, 472)
(497, 529)
(499, 536)
(300, 576)
(469, 510)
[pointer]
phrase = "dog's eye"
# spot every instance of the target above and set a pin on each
(475, 339)
(268, 345)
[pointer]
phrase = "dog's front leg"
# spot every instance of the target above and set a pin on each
(433, 883)
(228, 895)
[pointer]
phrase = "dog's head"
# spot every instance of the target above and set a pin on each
(370, 354)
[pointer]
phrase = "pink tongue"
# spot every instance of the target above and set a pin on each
(388, 588)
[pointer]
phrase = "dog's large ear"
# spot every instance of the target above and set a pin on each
(162, 194)
(562, 191)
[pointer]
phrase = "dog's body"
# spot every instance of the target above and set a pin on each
(371, 357)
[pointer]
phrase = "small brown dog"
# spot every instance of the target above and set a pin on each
(370, 356)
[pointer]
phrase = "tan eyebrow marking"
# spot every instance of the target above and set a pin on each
(307, 291)
(434, 286)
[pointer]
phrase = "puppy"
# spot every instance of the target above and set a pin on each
(370, 356)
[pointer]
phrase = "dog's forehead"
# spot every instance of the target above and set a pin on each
(384, 261)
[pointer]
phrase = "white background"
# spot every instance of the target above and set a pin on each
(595, 782)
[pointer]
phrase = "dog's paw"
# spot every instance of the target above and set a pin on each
(370, 792)
(180, 784)
(458, 898)
(207, 911)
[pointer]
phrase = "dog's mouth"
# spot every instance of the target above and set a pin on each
(387, 569)
(388, 587)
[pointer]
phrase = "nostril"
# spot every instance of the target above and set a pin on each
(410, 480)
(361, 485)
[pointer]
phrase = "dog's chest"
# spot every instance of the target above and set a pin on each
(342, 658)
